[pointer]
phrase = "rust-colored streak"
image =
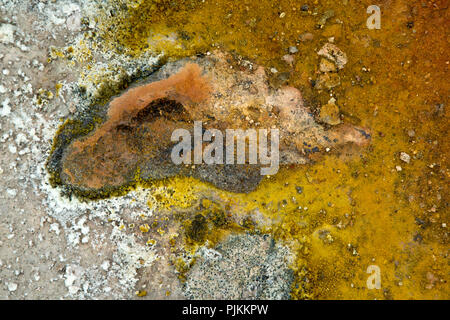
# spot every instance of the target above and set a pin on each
(187, 86)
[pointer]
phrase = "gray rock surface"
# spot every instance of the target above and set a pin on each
(241, 267)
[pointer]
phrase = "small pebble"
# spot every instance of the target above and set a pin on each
(306, 37)
(12, 286)
(405, 157)
(293, 50)
(289, 59)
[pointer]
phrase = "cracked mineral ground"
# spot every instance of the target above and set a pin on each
(92, 205)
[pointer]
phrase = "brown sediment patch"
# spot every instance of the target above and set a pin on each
(139, 124)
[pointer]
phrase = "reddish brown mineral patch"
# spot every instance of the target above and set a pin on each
(187, 87)
(113, 140)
